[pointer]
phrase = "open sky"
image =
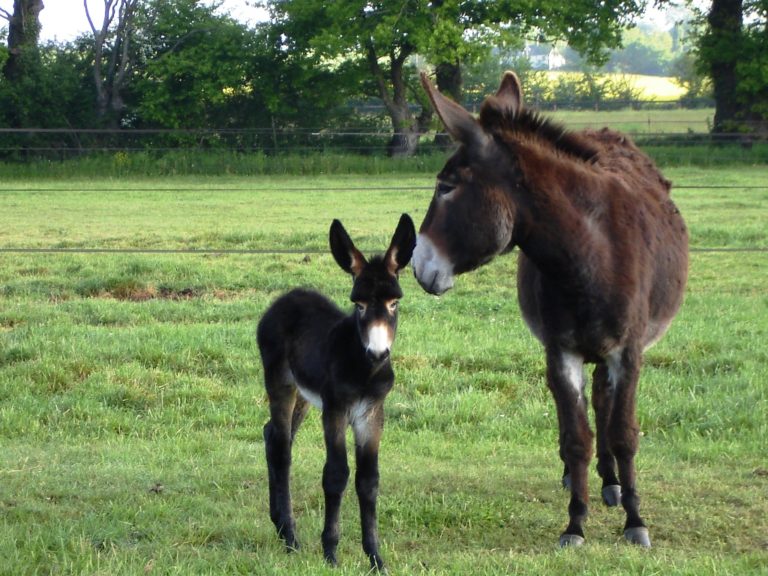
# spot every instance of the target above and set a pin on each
(64, 20)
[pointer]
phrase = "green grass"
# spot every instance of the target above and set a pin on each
(679, 121)
(131, 401)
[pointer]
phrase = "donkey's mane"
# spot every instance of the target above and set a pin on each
(511, 124)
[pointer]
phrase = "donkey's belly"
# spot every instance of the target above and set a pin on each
(528, 291)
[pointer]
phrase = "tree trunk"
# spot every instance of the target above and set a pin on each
(723, 48)
(405, 130)
(111, 63)
(405, 137)
(23, 35)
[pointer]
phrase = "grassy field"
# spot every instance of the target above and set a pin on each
(131, 401)
(660, 88)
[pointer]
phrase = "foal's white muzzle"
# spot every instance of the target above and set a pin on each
(379, 342)
(432, 270)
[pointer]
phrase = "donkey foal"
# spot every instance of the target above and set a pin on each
(315, 354)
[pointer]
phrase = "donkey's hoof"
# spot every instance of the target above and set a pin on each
(612, 495)
(638, 536)
(567, 481)
(571, 541)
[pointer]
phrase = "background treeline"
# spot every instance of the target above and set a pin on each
(312, 66)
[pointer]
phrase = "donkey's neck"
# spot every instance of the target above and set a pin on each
(561, 214)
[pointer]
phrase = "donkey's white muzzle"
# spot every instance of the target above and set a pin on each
(432, 270)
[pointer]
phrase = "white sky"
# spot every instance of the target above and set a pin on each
(64, 20)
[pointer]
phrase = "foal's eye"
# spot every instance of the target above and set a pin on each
(392, 306)
(360, 307)
(444, 188)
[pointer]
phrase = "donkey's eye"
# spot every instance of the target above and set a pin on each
(392, 306)
(360, 306)
(444, 188)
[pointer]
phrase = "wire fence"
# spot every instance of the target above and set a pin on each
(65, 143)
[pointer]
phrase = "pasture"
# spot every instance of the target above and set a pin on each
(132, 402)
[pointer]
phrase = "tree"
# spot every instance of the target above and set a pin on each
(195, 63)
(645, 51)
(384, 36)
(733, 51)
(378, 37)
(111, 55)
(23, 35)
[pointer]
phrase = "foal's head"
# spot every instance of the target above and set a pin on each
(376, 290)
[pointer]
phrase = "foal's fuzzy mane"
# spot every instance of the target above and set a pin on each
(512, 124)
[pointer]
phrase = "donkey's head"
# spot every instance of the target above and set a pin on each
(376, 290)
(470, 219)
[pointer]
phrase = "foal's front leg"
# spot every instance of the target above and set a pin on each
(565, 378)
(367, 438)
(335, 476)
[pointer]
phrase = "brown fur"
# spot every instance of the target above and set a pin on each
(602, 267)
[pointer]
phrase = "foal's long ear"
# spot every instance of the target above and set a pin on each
(343, 249)
(401, 248)
(510, 93)
(461, 125)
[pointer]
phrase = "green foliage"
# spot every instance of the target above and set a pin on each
(732, 45)
(195, 68)
(643, 52)
(53, 92)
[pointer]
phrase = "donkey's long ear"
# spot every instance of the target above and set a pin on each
(401, 248)
(459, 123)
(510, 93)
(343, 249)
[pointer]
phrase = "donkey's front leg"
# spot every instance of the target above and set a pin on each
(335, 476)
(367, 438)
(565, 378)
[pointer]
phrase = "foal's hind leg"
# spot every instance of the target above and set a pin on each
(623, 435)
(602, 401)
(278, 437)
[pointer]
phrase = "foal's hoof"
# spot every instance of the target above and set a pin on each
(638, 536)
(612, 495)
(377, 564)
(571, 541)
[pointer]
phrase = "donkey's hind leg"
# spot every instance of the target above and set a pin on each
(602, 401)
(623, 435)
(278, 436)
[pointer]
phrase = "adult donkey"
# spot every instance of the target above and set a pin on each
(601, 271)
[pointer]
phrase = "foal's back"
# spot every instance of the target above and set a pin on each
(295, 332)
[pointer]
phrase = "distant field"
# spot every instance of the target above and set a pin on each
(131, 401)
(679, 121)
(659, 88)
